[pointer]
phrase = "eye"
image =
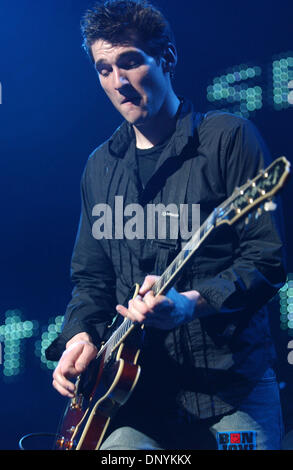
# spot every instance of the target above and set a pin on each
(132, 62)
(103, 69)
(128, 65)
(103, 73)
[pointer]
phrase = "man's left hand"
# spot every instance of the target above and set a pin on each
(163, 311)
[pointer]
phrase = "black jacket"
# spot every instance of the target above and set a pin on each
(202, 368)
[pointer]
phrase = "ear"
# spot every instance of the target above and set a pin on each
(169, 59)
(171, 54)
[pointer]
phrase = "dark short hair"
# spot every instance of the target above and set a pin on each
(115, 20)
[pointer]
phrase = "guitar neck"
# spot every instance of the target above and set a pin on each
(169, 276)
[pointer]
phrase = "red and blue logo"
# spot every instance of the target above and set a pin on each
(244, 440)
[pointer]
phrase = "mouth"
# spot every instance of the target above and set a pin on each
(132, 100)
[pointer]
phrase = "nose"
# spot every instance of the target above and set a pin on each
(120, 78)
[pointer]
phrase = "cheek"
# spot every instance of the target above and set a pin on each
(111, 96)
(144, 78)
(105, 88)
(154, 84)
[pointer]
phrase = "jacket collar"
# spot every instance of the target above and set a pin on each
(124, 135)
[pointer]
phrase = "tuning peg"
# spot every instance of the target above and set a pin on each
(270, 206)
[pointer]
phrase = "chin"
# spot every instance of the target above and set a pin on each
(134, 121)
(139, 120)
(136, 117)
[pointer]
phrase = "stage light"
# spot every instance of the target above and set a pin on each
(47, 337)
(286, 305)
(282, 75)
(243, 89)
(12, 334)
(243, 98)
(12, 345)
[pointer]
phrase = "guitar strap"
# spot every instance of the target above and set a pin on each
(168, 247)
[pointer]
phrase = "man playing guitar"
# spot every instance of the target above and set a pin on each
(206, 365)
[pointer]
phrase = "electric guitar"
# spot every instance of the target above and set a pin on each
(112, 376)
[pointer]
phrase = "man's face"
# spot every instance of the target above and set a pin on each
(134, 82)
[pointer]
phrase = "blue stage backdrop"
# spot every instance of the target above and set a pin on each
(232, 56)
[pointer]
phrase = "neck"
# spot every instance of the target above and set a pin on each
(158, 128)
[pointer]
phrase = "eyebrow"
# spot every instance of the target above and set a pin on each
(123, 55)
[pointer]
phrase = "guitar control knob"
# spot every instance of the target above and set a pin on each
(69, 445)
(60, 442)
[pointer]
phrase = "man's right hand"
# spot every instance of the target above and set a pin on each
(79, 352)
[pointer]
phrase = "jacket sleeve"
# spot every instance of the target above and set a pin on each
(92, 304)
(257, 270)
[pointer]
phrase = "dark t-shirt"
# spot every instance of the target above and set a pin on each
(147, 159)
